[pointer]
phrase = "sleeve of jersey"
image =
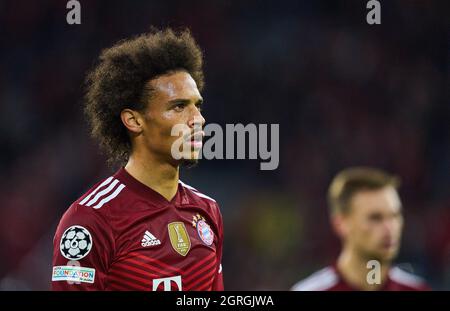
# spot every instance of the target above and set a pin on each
(82, 250)
(218, 278)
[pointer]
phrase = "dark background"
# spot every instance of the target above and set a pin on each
(344, 92)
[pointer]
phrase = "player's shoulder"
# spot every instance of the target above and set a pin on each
(407, 280)
(321, 280)
(94, 205)
(197, 196)
(106, 192)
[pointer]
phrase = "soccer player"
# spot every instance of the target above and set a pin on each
(142, 228)
(366, 214)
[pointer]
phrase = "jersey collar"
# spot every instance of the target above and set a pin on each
(154, 197)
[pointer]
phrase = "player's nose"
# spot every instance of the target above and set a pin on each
(197, 119)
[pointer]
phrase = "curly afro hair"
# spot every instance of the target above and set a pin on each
(120, 81)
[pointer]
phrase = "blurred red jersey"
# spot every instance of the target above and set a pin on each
(329, 279)
(122, 235)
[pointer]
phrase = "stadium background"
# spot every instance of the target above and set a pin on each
(344, 93)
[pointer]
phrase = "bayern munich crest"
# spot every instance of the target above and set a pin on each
(203, 229)
(76, 243)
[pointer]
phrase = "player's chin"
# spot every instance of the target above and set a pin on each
(190, 159)
(391, 255)
(189, 163)
(387, 255)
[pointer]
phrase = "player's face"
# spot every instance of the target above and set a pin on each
(374, 223)
(175, 100)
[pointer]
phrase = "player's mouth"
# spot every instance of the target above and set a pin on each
(196, 140)
(387, 245)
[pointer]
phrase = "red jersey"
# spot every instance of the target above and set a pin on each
(329, 279)
(122, 235)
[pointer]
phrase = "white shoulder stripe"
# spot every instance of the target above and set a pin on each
(107, 181)
(400, 276)
(195, 191)
(111, 196)
(204, 196)
(103, 192)
(318, 281)
(187, 186)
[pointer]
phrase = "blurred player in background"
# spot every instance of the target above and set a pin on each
(142, 228)
(366, 214)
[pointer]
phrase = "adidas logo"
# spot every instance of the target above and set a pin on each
(149, 240)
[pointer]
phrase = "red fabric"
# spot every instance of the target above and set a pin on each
(332, 280)
(117, 228)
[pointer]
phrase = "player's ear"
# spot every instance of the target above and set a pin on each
(132, 120)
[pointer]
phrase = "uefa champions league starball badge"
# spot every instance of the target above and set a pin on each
(76, 243)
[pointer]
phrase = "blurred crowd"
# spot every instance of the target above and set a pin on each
(344, 92)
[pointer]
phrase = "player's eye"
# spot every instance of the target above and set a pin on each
(179, 106)
(375, 217)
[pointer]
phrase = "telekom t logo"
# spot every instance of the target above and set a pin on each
(167, 283)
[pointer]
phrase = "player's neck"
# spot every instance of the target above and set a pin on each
(353, 268)
(162, 177)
